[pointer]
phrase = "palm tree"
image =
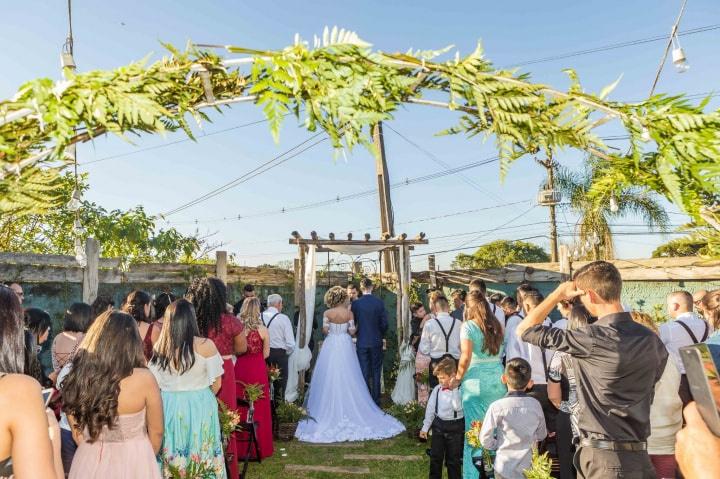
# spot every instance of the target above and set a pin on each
(599, 209)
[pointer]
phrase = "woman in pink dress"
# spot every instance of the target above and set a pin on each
(250, 368)
(209, 297)
(113, 403)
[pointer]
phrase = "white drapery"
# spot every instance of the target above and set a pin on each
(404, 390)
(355, 249)
(300, 359)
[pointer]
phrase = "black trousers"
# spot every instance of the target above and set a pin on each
(565, 446)
(684, 391)
(279, 358)
(593, 463)
(447, 446)
(539, 392)
(432, 380)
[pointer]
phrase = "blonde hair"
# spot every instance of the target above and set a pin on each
(250, 314)
(711, 307)
(335, 296)
(645, 320)
(446, 366)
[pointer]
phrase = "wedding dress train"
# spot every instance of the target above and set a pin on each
(339, 404)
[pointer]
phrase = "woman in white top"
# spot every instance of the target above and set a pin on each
(339, 402)
(188, 369)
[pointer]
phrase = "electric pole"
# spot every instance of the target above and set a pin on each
(551, 198)
(387, 221)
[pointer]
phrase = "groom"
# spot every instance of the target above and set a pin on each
(371, 323)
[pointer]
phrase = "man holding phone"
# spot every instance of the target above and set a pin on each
(617, 363)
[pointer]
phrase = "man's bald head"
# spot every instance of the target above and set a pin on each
(679, 302)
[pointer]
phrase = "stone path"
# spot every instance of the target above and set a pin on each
(330, 469)
(380, 457)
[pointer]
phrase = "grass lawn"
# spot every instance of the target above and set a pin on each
(332, 455)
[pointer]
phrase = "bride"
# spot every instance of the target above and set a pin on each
(339, 404)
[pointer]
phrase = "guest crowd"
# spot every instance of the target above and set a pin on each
(601, 389)
(134, 390)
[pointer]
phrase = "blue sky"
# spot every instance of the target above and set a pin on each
(110, 34)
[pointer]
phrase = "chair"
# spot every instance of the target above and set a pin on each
(252, 441)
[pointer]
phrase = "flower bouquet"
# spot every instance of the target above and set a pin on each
(229, 421)
(193, 467)
(482, 460)
(273, 373)
(253, 392)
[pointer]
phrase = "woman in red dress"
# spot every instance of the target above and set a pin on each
(209, 296)
(250, 368)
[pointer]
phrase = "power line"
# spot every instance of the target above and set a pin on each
(268, 165)
(615, 46)
(165, 145)
(501, 226)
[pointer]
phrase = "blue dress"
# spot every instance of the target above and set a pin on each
(481, 386)
(192, 428)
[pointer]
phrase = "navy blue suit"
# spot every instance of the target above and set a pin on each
(371, 323)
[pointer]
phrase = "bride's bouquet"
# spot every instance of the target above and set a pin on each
(273, 373)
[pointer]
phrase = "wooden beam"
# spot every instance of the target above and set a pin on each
(432, 271)
(90, 272)
(221, 265)
(387, 243)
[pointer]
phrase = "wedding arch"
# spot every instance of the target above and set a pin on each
(340, 85)
(306, 283)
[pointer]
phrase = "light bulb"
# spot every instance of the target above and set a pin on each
(595, 239)
(645, 135)
(587, 245)
(78, 228)
(680, 60)
(614, 205)
(576, 254)
(75, 202)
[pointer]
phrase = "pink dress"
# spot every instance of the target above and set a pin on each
(250, 368)
(224, 340)
(124, 452)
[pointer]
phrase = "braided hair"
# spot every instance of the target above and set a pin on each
(209, 297)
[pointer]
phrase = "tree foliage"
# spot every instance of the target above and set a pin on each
(593, 207)
(131, 235)
(500, 253)
(700, 242)
(342, 86)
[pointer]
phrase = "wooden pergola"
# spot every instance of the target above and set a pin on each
(399, 247)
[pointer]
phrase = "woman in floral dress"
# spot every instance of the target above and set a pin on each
(188, 369)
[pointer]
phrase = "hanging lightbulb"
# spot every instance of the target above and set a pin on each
(587, 245)
(78, 228)
(614, 204)
(645, 135)
(75, 202)
(595, 239)
(576, 253)
(80, 255)
(678, 57)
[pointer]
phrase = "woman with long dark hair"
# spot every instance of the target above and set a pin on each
(138, 304)
(113, 403)
(26, 449)
(188, 369)
(37, 330)
(480, 367)
(562, 391)
(78, 319)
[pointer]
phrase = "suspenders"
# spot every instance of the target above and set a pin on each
(690, 333)
(447, 336)
(271, 320)
(437, 400)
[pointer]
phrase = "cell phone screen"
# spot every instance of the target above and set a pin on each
(701, 366)
(47, 395)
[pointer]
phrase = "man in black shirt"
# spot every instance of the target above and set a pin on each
(617, 363)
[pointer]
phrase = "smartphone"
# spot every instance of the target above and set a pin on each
(47, 394)
(701, 366)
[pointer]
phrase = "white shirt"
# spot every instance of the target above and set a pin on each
(498, 312)
(534, 354)
(514, 346)
(674, 336)
(511, 427)
(281, 332)
(432, 341)
(64, 423)
(449, 406)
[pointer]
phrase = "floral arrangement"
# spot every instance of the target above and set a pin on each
(289, 412)
(229, 420)
(423, 377)
(193, 467)
(273, 373)
(253, 391)
(541, 467)
(472, 435)
(410, 414)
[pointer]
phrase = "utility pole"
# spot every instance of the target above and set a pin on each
(387, 221)
(550, 197)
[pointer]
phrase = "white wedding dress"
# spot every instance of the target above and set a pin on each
(339, 404)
